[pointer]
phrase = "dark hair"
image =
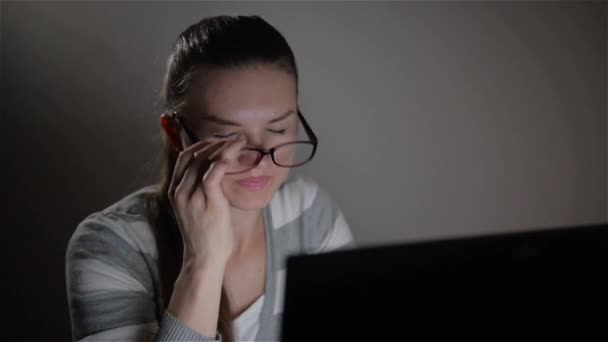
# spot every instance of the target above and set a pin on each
(225, 42)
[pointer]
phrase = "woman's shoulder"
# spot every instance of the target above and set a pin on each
(126, 221)
(109, 266)
(297, 195)
(301, 189)
(302, 208)
(136, 203)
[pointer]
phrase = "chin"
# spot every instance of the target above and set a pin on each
(245, 198)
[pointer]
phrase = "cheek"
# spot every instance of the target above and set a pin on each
(279, 175)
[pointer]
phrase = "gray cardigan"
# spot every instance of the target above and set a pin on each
(113, 278)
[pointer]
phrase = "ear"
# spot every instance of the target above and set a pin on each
(171, 128)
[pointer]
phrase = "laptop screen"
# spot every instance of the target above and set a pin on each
(541, 285)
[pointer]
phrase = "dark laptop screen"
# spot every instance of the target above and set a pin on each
(542, 285)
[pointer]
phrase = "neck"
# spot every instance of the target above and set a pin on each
(247, 225)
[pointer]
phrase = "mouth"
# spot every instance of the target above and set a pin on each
(254, 183)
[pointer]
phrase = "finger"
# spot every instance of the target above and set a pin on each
(213, 156)
(193, 171)
(230, 153)
(218, 168)
(184, 139)
(212, 182)
(189, 183)
(197, 153)
(182, 162)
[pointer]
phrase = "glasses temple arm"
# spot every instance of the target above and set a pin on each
(307, 128)
(189, 133)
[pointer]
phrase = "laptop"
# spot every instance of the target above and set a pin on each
(541, 285)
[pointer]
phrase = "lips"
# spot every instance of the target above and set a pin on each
(254, 183)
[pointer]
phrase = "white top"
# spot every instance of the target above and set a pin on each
(246, 325)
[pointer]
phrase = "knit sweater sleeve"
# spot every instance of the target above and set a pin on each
(110, 287)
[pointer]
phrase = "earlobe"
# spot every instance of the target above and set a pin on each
(171, 130)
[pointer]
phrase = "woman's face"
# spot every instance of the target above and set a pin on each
(259, 102)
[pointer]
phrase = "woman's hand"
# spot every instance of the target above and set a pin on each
(200, 206)
(203, 215)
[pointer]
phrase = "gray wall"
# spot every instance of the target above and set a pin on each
(435, 119)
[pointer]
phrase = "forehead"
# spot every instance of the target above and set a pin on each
(242, 94)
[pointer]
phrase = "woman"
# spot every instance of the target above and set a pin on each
(201, 256)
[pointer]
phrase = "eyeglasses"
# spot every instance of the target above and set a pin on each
(289, 154)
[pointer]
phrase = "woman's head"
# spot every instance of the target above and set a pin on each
(229, 76)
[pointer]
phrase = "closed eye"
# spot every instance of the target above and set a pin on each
(224, 136)
(277, 131)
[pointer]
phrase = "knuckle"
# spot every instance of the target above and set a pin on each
(171, 194)
(222, 160)
(180, 198)
(206, 184)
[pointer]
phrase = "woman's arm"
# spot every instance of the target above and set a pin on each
(110, 288)
(197, 294)
(329, 230)
(338, 236)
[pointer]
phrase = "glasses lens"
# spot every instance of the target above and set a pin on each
(293, 154)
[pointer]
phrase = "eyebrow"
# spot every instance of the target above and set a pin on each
(221, 121)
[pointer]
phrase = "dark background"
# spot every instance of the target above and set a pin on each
(434, 119)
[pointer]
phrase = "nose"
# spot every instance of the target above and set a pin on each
(264, 162)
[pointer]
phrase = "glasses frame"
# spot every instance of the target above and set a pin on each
(262, 152)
